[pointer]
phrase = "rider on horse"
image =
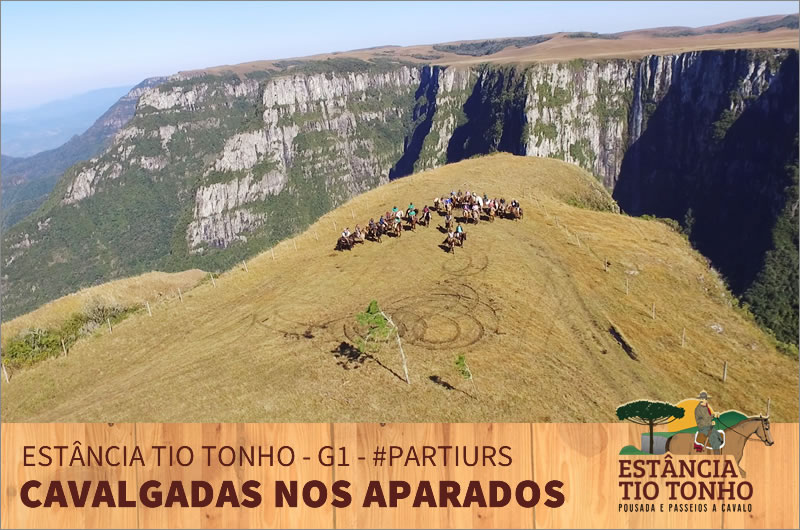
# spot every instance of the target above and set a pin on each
(448, 221)
(705, 425)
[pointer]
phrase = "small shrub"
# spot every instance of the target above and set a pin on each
(33, 345)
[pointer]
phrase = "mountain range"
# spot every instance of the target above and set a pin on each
(214, 166)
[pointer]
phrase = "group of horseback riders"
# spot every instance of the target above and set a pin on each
(472, 205)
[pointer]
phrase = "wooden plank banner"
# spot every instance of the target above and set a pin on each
(358, 475)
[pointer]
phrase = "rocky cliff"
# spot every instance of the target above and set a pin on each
(216, 167)
(27, 181)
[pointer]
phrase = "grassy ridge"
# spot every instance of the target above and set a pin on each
(528, 303)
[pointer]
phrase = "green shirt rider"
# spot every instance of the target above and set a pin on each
(705, 425)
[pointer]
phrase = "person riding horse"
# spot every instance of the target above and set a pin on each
(374, 230)
(426, 216)
(397, 226)
(344, 242)
(357, 237)
(705, 425)
(461, 236)
(448, 222)
(450, 241)
(412, 218)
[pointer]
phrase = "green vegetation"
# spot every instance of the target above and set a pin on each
(427, 56)
(610, 105)
(465, 372)
(773, 296)
(34, 345)
(721, 126)
(581, 151)
(788, 22)
(495, 114)
(543, 131)
(290, 352)
(333, 65)
(672, 223)
(649, 413)
(299, 118)
(488, 47)
(376, 329)
(379, 330)
(591, 35)
(553, 97)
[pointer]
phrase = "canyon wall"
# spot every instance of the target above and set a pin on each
(214, 168)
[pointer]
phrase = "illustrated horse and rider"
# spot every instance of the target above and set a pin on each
(716, 434)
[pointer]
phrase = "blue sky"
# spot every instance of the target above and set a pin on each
(52, 50)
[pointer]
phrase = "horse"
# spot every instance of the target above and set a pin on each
(492, 213)
(448, 225)
(460, 238)
(426, 219)
(412, 222)
(450, 243)
(736, 437)
(397, 228)
(344, 243)
(476, 216)
(374, 233)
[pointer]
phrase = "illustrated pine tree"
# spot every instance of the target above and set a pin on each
(649, 413)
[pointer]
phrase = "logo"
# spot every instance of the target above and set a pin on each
(692, 429)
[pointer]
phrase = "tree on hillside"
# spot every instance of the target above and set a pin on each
(650, 413)
(466, 373)
(379, 330)
(773, 295)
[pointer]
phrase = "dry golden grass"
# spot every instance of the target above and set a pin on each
(153, 287)
(630, 45)
(528, 302)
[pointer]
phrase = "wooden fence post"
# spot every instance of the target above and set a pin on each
(769, 402)
(724, 371)
(148, 308)
(180, 294)
(626, 285)
(245, 266)
(683, 338)
(212, 279)
(272, 251)
(6, 373)
(63, 348)
(294, 243)
(654, 310)
(110, 329)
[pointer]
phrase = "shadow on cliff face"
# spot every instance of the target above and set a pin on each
(424, 109)
(728, 173)
(495, 113)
